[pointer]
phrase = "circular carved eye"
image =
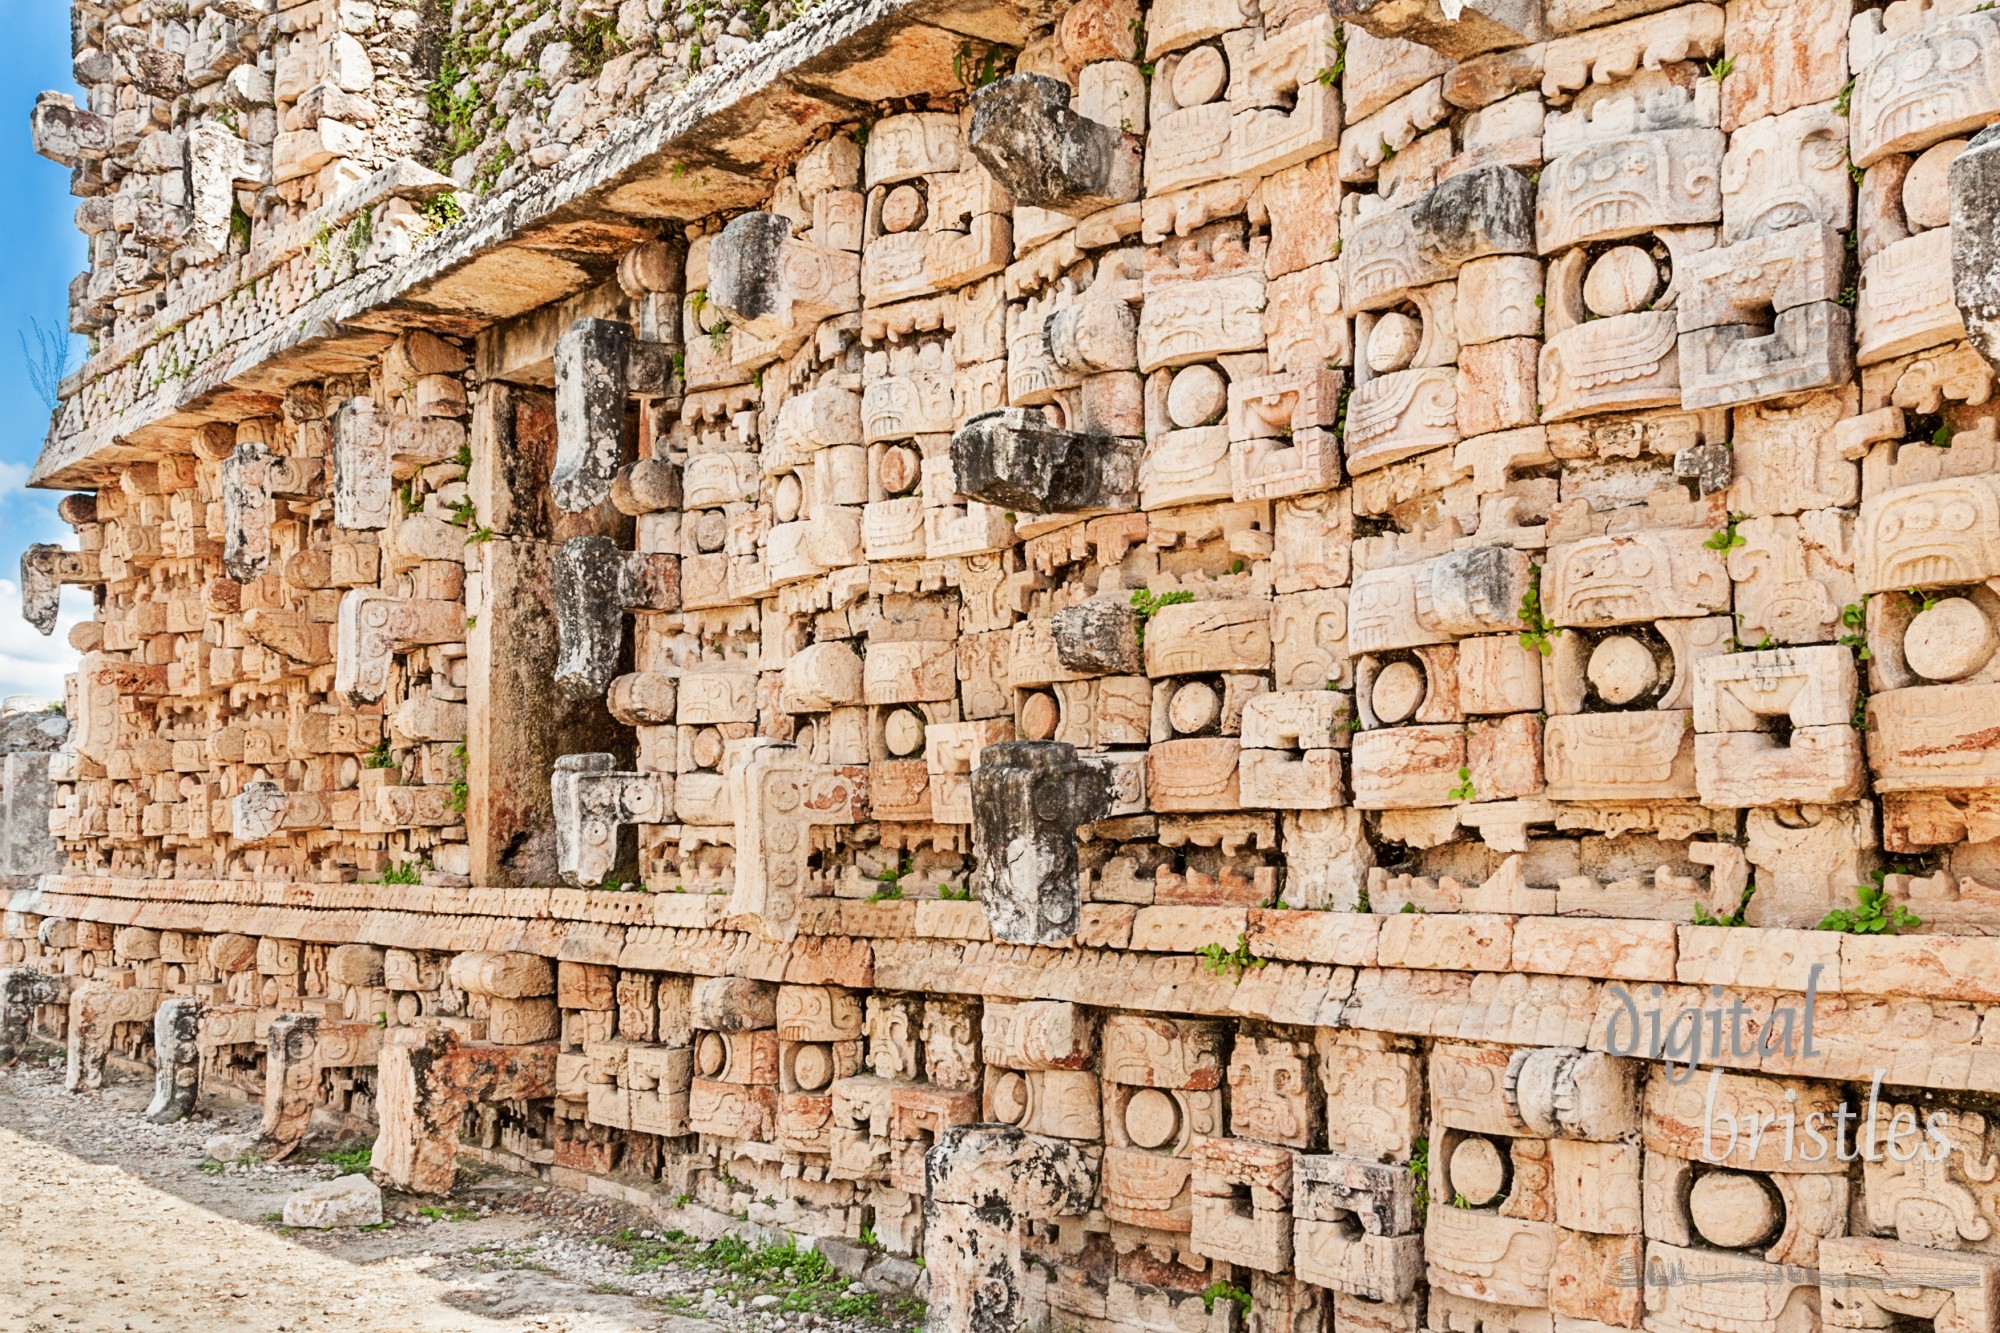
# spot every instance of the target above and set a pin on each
(899, 468)
(1398, 690)
(1393, 344)
(1196, 397)
(1621, 669)
(1957, 53)
(1152, 1118)
(1950, 641)
(1194, 706)
(1733, 1210)
(1621, 281)
(786, 497)
(812, 1066)
(1039, 716)
(903, 732)
(1958, 516)
(1200, 76)
(1478, 1172)
(1010, 1098)
(903, 209)
(711, 1054)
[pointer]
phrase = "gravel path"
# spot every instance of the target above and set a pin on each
(110, 1223)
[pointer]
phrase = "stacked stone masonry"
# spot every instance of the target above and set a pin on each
(1153, 654)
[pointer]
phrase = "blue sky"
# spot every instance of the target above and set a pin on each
(45, 252)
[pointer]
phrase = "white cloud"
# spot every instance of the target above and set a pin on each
(29, 663)
(13, 477)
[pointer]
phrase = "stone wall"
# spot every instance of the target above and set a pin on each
(1184, 675)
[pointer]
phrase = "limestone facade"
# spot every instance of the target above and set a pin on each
(1195, 650)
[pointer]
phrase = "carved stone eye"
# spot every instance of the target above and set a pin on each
(1010, 1098)
(1399, 689)
(1152, 1119)
(1393, 343)
(812, 1066)
(1733, 1210)
(1199, 77)
(1950, 641)
(1622, 668)
(1957, 53)
(1478, 1171)
(1196, 397)
(903, 732)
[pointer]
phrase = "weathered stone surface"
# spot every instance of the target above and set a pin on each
(1016, 460)
(177, 1083)
(1975, 258)
(595, 585)
(1099, 636)
(1476, 213)
(1028, 798)
(1047, 155)
(350, 1201)
(1455, 29)
(593, 804)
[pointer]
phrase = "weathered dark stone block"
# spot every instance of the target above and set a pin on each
(1099, 635)
(595, 585)
(22, 991)
(1975, 243)
(1014, 459)
(177, 1054)
(983, 1184)
(1028, 798)
(591, 388)
(744, 276)
(1486, 211)
(1047, 155)
(45, 567)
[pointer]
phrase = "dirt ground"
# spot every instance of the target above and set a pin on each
(109, 1223)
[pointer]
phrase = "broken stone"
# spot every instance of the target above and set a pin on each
(1047, 155)
(350, 1201)
(592, 803)
(983, 1185)
(1456, 28)
(1100, 636)
(177, 1078)
(1012, 458)
(591, 388)
(1975, 249)
(596, 584)
(45, 567)
(1028, 799)
(1485, 211)
(22, 990)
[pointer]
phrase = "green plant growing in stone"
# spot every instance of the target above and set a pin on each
(1873, 913)
(1147, 604)
(1541, 631)
(1218, 958)
(1223, 1291)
